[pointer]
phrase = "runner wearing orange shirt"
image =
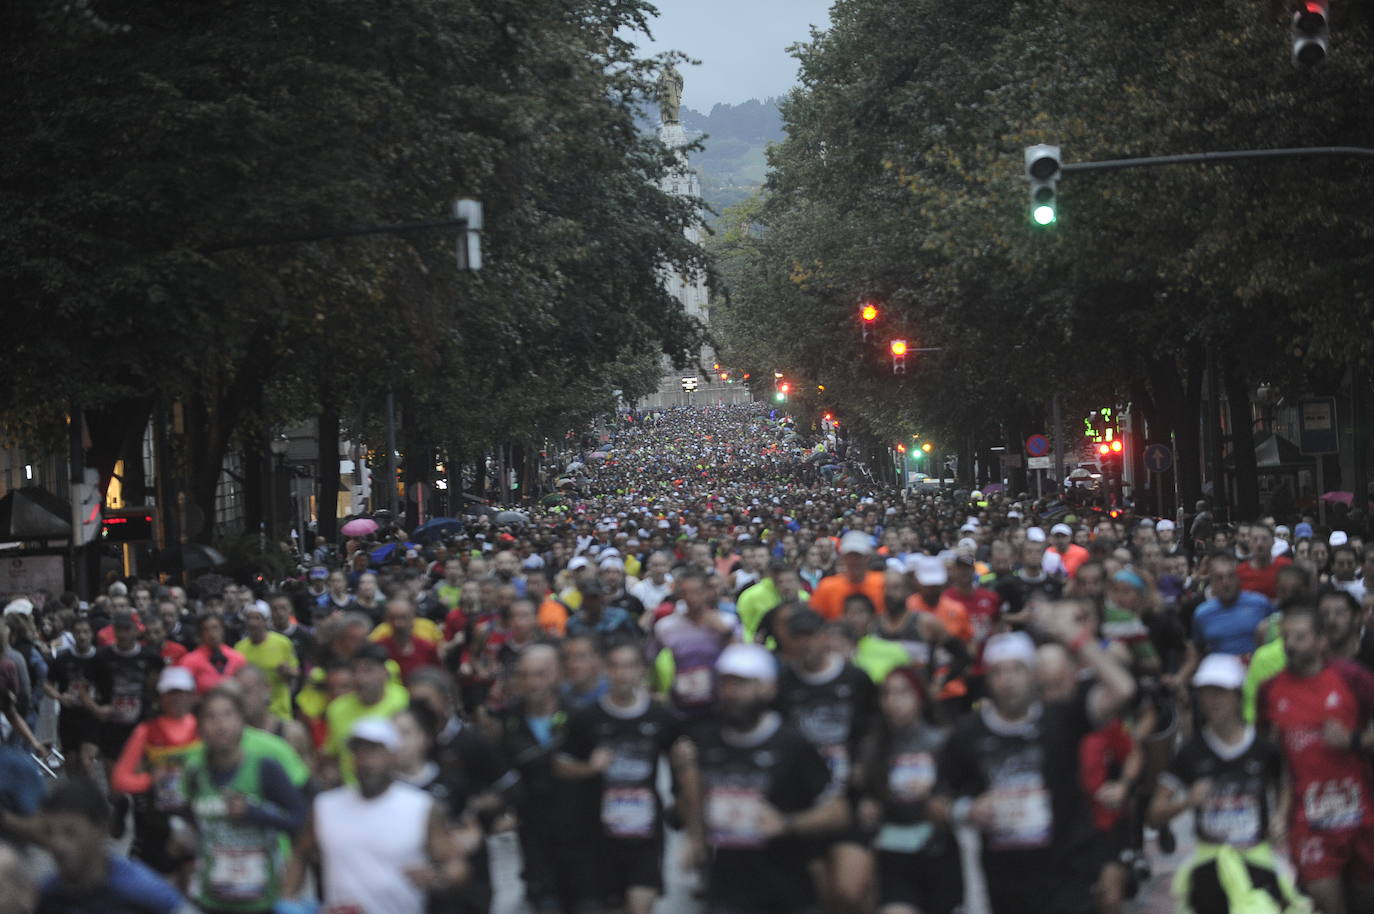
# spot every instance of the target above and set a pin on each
(856, 576)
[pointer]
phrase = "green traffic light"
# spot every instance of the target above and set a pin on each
(1043, 214)
(779, 396)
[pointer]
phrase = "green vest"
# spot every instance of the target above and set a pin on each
(239, 865)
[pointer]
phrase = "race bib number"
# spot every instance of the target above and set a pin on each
(733, 815)
(628, 812)
(1232, 819)
(127, 708)
(1021, 815)
(911, 776)
(694, 686)
(904, 839)
(167, 792)
(1333, 805)
(837, 760)
(238, 874)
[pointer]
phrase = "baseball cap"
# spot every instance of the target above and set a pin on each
(1009, 646)
(1165, 524)
(1221, 670)
(21, 607)
(1035, 534)
(175, 679)
(856, 541)
(969, 528)
(747, 661)
(1061, 530)
(319, 573)
(1338, 538)
(377, 730)
(1303, 530)
(930, 571)
(260, 607)
(578, 562)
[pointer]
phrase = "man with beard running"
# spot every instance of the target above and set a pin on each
(1318, 712)
(383, 846)
(1013, 765)
(765, 795)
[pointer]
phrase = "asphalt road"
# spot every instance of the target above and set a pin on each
(1155, 899)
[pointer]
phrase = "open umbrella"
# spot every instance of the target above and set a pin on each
(359, 526)
(1339, 498)
(188, 557)
(514, 518)
(436, 528)
(34, 513)
(481, 511)
(381, 553)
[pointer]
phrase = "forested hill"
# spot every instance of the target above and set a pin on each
(732, 165)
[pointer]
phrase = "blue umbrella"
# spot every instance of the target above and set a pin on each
(436, 528)
(379, 555)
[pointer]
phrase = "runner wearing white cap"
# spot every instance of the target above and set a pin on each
(1014, 766)
(765, 793)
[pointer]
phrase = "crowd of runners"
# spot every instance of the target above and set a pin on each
(819, 686)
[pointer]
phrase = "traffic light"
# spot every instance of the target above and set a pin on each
(1311, 32)
(868, 316)
(927, 447)
(899, 349)
(1042, 171)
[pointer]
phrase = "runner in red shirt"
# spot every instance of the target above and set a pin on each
(1313, 713)
(1260, 572)
(982, 607)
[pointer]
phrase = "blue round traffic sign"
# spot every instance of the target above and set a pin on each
(1037, 446)
(1158, 458)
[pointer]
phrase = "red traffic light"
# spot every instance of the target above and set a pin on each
(1103, 449)
(901, 449)
(869, 313)
(785, 387)
(898, 347)
(725, 375)
(1116, 447)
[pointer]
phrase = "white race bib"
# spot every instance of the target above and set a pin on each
(733, 815)
(628, 812)
(911, 776)
(1233, 819)
(1333, 805)
(238, 874)
(1021, 815)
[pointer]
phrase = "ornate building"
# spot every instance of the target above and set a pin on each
(690, 290)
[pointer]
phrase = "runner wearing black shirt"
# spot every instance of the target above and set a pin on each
(69, 681)
(765, 794)
(1226, 775)
(124, 676)
(833, 704)
(619, 739)
(919, 866)
(1014, 766)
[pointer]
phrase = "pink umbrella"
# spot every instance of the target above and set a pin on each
(1339, 498)
(359, 526)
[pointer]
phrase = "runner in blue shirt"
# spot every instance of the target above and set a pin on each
(90, 878)
(1227, 623)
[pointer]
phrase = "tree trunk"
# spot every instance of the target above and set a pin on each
(328, 460)
(1242, 444)
(257, 506)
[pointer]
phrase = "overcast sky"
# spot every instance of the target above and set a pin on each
(742, 45)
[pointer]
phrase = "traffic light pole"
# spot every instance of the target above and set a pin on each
(1231, 155)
